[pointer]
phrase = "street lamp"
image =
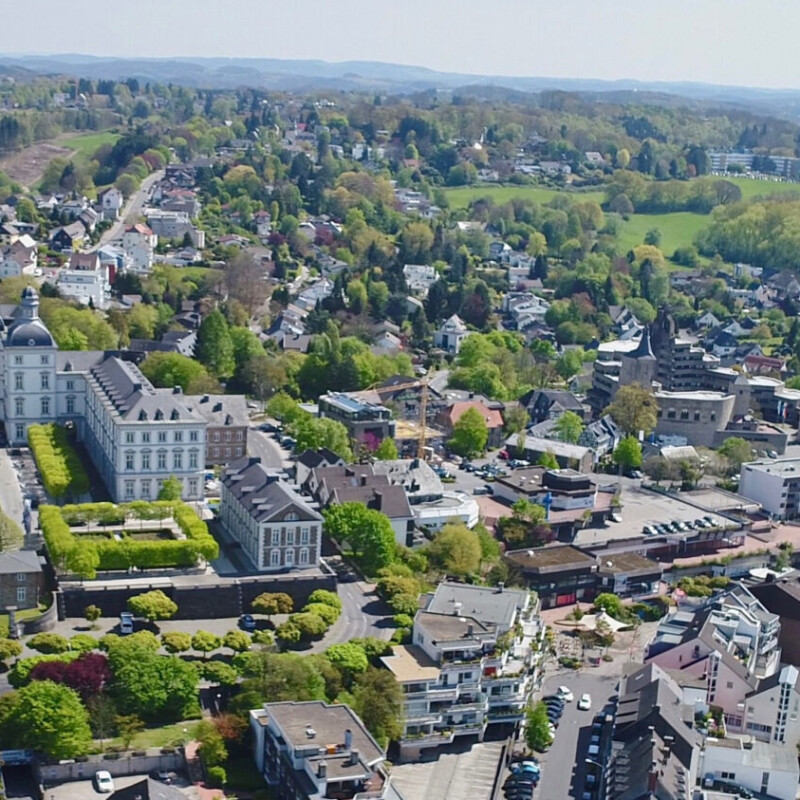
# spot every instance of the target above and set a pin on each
(596, 763)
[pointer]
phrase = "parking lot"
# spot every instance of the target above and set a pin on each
(564, 767)
(84, 790)
(466, 773)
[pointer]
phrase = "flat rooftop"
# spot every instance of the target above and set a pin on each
(409, 663)
(626, 563)
(551, 558)
(691, 395)
(775, 466)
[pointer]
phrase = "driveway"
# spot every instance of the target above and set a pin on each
(563, 765)
(459, 773)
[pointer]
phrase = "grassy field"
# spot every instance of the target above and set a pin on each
(677, 229)
(461, 196)
(86, 143)
(751, 187)
(164, 736)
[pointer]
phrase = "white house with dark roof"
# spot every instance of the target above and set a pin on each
(277, 529)
(451, 334)
(139, 243)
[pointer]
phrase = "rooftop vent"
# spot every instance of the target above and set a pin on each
(310, 732)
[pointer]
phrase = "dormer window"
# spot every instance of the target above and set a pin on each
(174, 414)
(159, 414)
(142, 415)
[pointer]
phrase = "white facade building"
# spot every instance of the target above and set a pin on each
(175, 225)
(774, 483)
(136, 435)
(85, 280)
(139, 244)
(450, 335)
(469, 665)
(278, 529)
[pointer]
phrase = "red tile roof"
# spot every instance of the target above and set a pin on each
(494, 419)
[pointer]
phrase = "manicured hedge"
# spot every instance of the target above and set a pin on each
(74, 552)
(59, 465)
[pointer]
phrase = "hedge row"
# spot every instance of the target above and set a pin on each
(74, 553)
(59, 465)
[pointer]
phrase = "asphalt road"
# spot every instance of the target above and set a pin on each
(131, 210)
(563, 766)
(272, 455)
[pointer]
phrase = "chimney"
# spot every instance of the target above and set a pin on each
(457, 608)
(177, 390)
(378, 499)
(500, 586)
(205, 399)
(348, 739)
(470, 630)
(354, 757)
(322, 770)
(362, 480)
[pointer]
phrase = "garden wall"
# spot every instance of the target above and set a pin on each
(122, 764)
(213, 599)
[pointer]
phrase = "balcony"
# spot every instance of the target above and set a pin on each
(443, 693)
(423, 718)
(430, 738)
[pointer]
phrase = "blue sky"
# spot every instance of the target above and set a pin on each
(741, 42)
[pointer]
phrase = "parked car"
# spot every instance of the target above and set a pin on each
(504, 455)
(247, 622)
(103, 781)
(566, 694)
(585, 703)
(483, 490)
(125, 623)
(648, 530)
(518, 463)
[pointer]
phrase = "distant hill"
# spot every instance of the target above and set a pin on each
(309, 75)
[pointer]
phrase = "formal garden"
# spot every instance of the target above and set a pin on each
(88, 537)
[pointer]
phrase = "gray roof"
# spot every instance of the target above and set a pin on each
(391, 501)
(134, 399)
(483, 603)
(318, 458)
(79, 360)
(219, 410)
(148, 789)
(263, 494)
(14, 561)
(30, 333)
(413, 474)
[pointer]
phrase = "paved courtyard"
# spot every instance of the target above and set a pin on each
(467, 775)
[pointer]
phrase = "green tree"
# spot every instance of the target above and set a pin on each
(238, 641)
(91, 614)
(270, 603)
(378, 700)
(176, 641)
(11, 534)
(634, 409)
(167, 370)
(516, 419)
(628, 453)
(737, 451)
(313, 433)
(611, 604)
(348, 658)
(569, 427)
(310, 625)
(152, 605)
(220, 673)
(171, 489)
(49, 643)
(214, 346)
(537, 730)
(205, 642)
(129, 726)
(456, 550)
(527, 510)
(547, 460)
(386, 450)
(47, 717)
(470, 434)
(368, 532)
(570, 363)
(212, 750)
(276, 677)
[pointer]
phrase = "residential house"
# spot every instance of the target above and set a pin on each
(498, 249)
(68, 237)
(22, 583)
(139, 244)
(21, 256)
(86, 280)
(110, 202)
(227, 423)
(147, 789)
(785, 284)
(311, 750)
(572, 456)
(764, 365)
(175, 225)
(450, 334)
(543, 404)
(391, 501)
(782, 597)
(419, 278)
(720, 342)
(310, 460)
(313, 294)
(492, 417)
(707, 321)
(468, 666)
(263, 222)
(276, 527)
(603, 435)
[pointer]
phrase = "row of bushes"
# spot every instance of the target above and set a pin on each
(59, 465)
(116, 514)
(80, 556)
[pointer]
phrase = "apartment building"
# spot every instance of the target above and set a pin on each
(366, 423)
(227, 423)
(732, 644)
(775, 484)
(277, 529)
(311, 750)
(86, 280)
(139, 243)
(469, 664)
(174, 225)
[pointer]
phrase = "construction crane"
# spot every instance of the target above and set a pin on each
(422, 384)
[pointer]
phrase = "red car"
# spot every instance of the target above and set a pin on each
(504, 455)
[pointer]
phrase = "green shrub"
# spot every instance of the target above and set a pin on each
(83, 643)
(49, 643)
(20, 672)
(59, 465)
(326, 597)
(327, 613)
(217, 777)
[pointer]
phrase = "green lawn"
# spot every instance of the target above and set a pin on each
(87, 143)
(461, 196)
(165, 736)
(677, 229)
(752, 187)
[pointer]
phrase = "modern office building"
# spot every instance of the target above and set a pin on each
(775, 484)
(366, 423)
